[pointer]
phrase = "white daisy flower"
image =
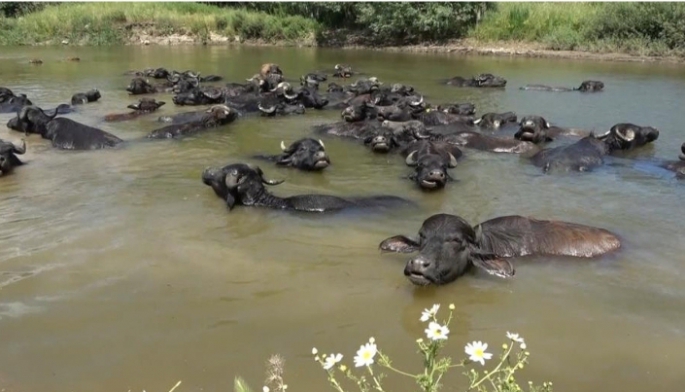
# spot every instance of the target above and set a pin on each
(331, 360)
(265, 389)
(523, 346)
(515, 337)
(476, 352)
(365, 355)
(428, 314)
(436, 331)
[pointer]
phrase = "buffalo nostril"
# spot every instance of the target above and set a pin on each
(419, 264)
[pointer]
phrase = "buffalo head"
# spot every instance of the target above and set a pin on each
(626, 136)
(591, 86)
(140, 86)
(237, 183)
(304, 154)
(147, 105)
(448, 247)
(533, 129)
(489, 80)
(198, 97)
(8, 159)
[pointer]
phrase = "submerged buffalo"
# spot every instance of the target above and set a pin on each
(677, 166)
(141, 86)
(87, 97)
(588, 153)
(448, 246)
(8, 156)
(465, 109)
(143, 106)
(10, 103)
(64, 133)
(342, 71)
(243, 184)
(430, 161)
(216, 116)
(479, 141)
(586, 86)
(280, 109)
(495, 120)
(536, 129)
(482, 80)
(392, 135)
(305, 154)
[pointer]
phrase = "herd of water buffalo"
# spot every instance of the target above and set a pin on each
(387, 119)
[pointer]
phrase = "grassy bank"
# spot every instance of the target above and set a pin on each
(645, 29)
(117, 23)
(641, 29)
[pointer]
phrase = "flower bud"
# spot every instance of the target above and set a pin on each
(504, 346)
(315, 351)
(451, 306)
(343, 368)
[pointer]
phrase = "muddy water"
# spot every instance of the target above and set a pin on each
(120, 270)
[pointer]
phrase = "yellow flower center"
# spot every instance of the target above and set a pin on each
(366, 355)
(478, 352)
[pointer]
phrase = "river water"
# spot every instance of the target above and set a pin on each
(120, 270)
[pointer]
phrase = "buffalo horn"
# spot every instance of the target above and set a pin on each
(453, 160)
(19, 150)
(476, 122)
(411, 159)
(283, 147)
(265, 110)
(628, 137)
(321, 143)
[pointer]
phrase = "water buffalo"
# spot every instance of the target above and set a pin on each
(64, 133)
(465, 109)
(8, 156)
(588, 153)
(677, 166)
(243, 184)
(216, 116)
(280, 109)
(586, 86)
(143, 106)
(199, 96)
(495, 120)
(87, 97)
(305, 154)
(431, 160)
(478, 141)
(482, 80)
(10, 103)
(364, 85)
(269, 69)
(312, 79)
(342, 71)
(537, 130)
(141, 86)
(308, 97)
(441, 118)
(448, 246)
(392, 135)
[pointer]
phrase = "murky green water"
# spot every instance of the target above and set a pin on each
(120, 270)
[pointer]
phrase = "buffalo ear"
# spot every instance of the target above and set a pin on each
(230, 201)
(399, 244)
(494, 265)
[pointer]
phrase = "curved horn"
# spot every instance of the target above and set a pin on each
(682, 151)
(476, 122)
(321, 143)
(417, 103)
(453, 160)
(215, 95)
(271, 182)
(19, 150)
(419, 135)
(604, 135)
(628, 137)
(283, 147)
(290, 97)
(265, 110)
(411, 159)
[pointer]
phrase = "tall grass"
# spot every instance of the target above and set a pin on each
(640, 28)
(106, 23)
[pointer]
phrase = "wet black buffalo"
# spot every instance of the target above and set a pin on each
(306, 154)
(394, 135)
(39, 116)
(143, 106)
(465, 109)
(588, 153)
(537, 130)
(482, 80)
(358, 122)
(431, 160)
(10, 103)
(64, 133)
(8, 156)
(87, 97)
(448, 246)
(216, 116)
(308, 97)
(441, 118)
(479, 141)
(141, 86)
(495, 120)
(677, 166)
(199, 96)
(243, 184)
(280, 109)
(586, 86)
(312, 79)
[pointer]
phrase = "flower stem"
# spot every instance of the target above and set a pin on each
(495, 370)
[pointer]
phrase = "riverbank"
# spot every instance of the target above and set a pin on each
(511, 29)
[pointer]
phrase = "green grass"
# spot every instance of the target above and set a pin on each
(105, 23)
(636, 28)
